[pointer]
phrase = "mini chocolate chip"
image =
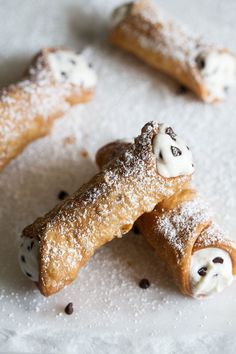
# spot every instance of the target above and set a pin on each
(216, 275)
(64, 74)
(202, 271)
(29, 248)
(23, 259)
(218, 260)
(226, 89)
(144, 283)
(200, 62)
(192, 164)
(90, 65)
(136, 229)
(73, 61)
(28, 274)
(169, 131)
(182, 90)
(187, 147)
(69, 309)
(176, 151)
(62, 195)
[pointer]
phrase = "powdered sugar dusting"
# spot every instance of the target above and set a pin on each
(128, 95)
(213, 235)
(179, 227)
(179, 224)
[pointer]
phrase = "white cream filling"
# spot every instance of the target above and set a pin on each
(119, 14)
(69, 67)
(214, 275)
(172, 154)
(29, 258)
(218, 71)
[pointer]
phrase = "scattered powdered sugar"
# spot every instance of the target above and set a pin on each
(179, 224)
(111, 312)
(212, 235)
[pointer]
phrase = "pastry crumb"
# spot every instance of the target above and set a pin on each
(84, 153)
(69, 140)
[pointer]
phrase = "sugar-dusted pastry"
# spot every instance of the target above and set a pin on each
(185, 237)
(55, 80)
(144, 30)
(154, 167)
(181, 230)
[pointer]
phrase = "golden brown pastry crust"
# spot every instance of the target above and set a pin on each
(110, 151)
(163, 45)
(104, 208)
(28, 108)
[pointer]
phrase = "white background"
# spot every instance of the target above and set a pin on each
(112, 314)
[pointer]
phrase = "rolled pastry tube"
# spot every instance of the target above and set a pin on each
(181, 230)
(145, 31)
(56, 79)
(106, 207)
(185, 237)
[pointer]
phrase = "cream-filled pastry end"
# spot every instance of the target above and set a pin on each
(210, 271)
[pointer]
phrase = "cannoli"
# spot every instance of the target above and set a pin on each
(144, 30)
(183, 234)
(55, 80)
(155, 166)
